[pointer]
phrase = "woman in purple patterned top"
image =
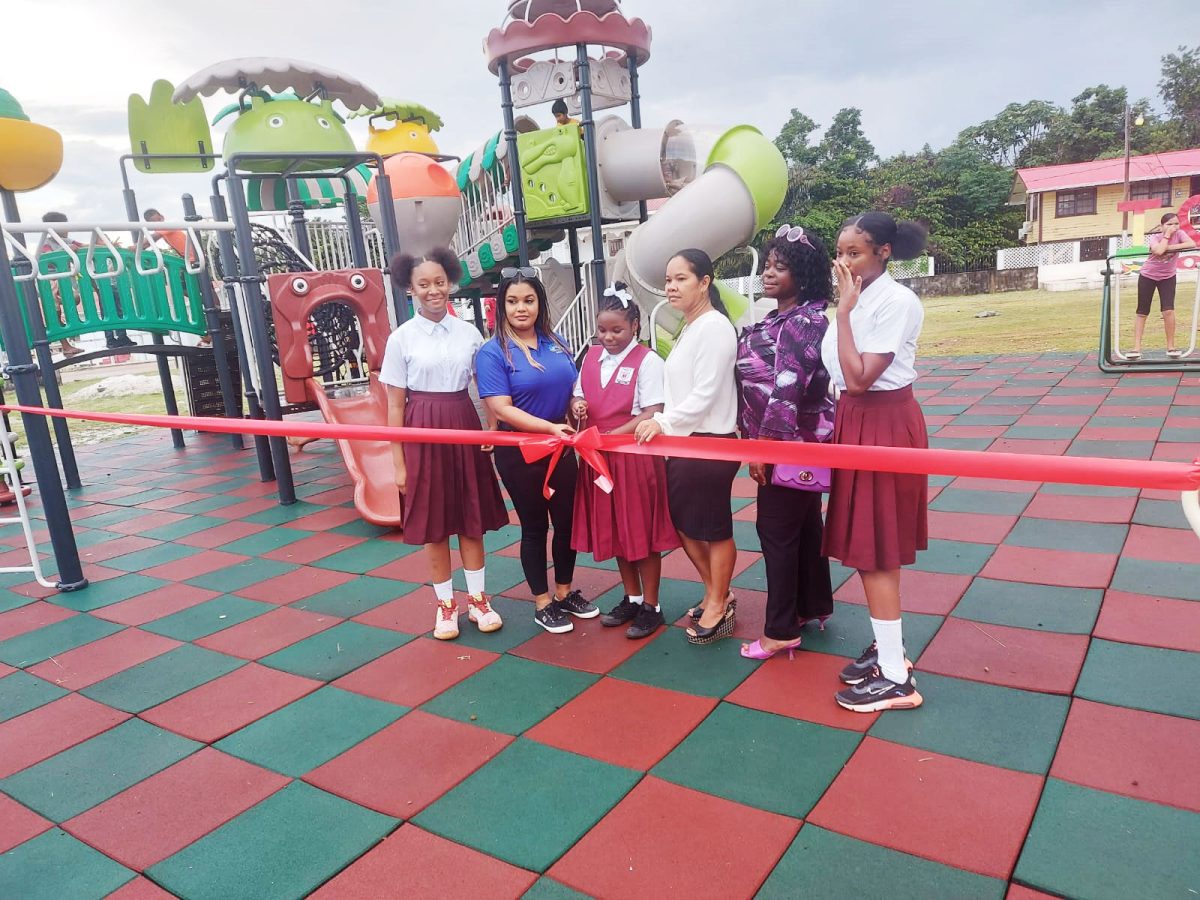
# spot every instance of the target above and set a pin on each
(784, 396)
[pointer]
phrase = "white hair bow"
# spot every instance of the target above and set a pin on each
(624, 296)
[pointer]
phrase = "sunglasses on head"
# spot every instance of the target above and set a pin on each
(793, 233)
(523, 271)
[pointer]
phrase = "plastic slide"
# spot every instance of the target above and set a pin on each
(368, 462)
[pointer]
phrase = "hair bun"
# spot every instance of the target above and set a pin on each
(910, 240)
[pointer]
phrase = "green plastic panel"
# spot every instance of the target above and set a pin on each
(554, 173)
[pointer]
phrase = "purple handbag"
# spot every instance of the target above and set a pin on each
(802, 478)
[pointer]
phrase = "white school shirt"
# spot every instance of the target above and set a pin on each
(699, 388)
(887, 319)
(649, 388)
(423, 355)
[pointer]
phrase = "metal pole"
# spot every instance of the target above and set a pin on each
(1125, 213)
(251, 281)
(576, 269)
(514, 164)
(41, 348)
(266, 470)
(391, 234)
(635, 114)
(358, 247)
(589, 144)
(295, 209)
(24, 373)
(212, 319)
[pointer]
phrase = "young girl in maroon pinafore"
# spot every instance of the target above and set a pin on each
(620, 385)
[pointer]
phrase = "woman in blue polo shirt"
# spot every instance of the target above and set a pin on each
(525, 376)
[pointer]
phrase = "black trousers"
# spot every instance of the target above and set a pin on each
(523, 481)
(1146, 289)
(798, 587)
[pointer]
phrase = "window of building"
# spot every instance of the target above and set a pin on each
(1080, 202)
(1158, 189)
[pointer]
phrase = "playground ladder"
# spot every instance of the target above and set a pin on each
(578, 323)
(9, 469)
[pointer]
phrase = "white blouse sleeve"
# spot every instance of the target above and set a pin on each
(713, 357)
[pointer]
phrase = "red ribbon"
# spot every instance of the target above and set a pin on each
(1135, 473)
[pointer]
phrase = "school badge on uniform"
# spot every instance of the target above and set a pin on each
(625, 375)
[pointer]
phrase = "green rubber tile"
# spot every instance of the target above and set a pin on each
(1042, 432)
(145, 496)
(116, 516)
(1160, 513)
(975, 721)
(208, 618)
(10, 601)
(1084, 391)
(55, 865)
(1024, 400)
(547, 800)
(311, 731)
(359, 528)
(815, 866)
(737, 504)
(150, 557)
(848, 631)
(1112, 449)
(486, 698)
(1000, 503)
(244, 574)
(365, 556)
(675, 597)
(945, 409)
(20, 692)
(587, 561)
(77, 779)
(1173, 435)
(354, 597)
(1053, 534)
(51, 640)
(284, 847)
(504, 575)
(1162, 579)
(954, 557)
(336, 651)
(210, 506)
(159, 679)
(669, 661)
(1089, 843)
(1101, 421)
(1033, 606)
(941, 443)
(88, 538)
(1140, 677)
(266, 541)
(506, 537)
(745, 536)
(281, 515)
(548, 889)
(518, 626)
(182, 528)
(940, 480)
(734, 754)
(983, 419)
(1087, 490)
(99, 594)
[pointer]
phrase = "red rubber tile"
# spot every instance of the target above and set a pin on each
(86, 665)
(163, 814)
(1028, 390)
(31, 617)
(1068, 507)
(255, 489)
(112, 549)
(1174, 452)
(1140, 754)
(1111, 433)
(325, 520)
(1064, 568)
(966, 483)
(744, 487)
(1013, 657)
(114, 492)
(418, 671)
(413, 613)
(1125, 389)
(590, 647)
(971, 431)
(198, 482)
(939, 420)
(953, 811)
(174, 500)
(202, 563)
(676, 564)
(143, 524)
(1022, 445)
(1016, 409)
(1019, 892)
(594, 582)
(265, 634)
(310, 549)
(427, 866)
(1134, 412)
(616, 858)
(978, 528)
(249, 507)
(298, 584)
(40, 733)
(1053, 420)
(140, 888)
(403, 768)
(6, 670)
(222, 534)
(935, 593)
(801, 688)
(1153, 621)
(622, 723)
(163, 601)
(220, 707)
(18, 824)
(413, 568)
(1175, 545)
(334, 497)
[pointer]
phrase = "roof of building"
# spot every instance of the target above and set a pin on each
(1037, 179)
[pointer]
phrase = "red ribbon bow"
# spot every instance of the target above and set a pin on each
(586, 443)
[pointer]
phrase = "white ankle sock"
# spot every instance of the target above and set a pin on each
(444, 591)
(889, 642)
(638, 599)
(474, 580)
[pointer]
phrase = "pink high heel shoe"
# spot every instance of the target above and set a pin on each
(756, 651)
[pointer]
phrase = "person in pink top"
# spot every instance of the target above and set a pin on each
(1159, 273)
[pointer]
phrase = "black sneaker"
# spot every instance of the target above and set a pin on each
(576, 605)
(876, 693)
(553, 618)
(858, 670)
(625, 611)
(649, 619)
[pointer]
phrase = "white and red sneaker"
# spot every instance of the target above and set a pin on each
(446, 627)
(479, 611)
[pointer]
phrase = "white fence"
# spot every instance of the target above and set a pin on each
(1055, 253)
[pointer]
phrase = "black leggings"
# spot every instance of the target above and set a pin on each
(1166, 294)
(523, 481)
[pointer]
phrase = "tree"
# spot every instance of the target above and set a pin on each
(793, 140)
(1179, 88)
(1095, 128)
(844, 150)
(1006, 138)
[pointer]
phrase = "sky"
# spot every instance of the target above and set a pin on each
(918, 77)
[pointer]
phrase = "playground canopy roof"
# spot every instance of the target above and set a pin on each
(277, 74)
(1104, 171)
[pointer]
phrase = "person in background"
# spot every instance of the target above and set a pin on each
(1158, 274)
(561, 116)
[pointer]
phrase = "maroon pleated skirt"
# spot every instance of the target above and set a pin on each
(452, 488)
(877, 521)
(633, 521)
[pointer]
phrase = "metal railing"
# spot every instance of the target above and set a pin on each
(487, 206)
(578, 323)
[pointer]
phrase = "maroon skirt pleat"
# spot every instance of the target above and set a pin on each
(452, 488)
(633, 521)
(877, 521)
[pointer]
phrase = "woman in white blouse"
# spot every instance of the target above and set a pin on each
(701, 399)
(448, 489)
